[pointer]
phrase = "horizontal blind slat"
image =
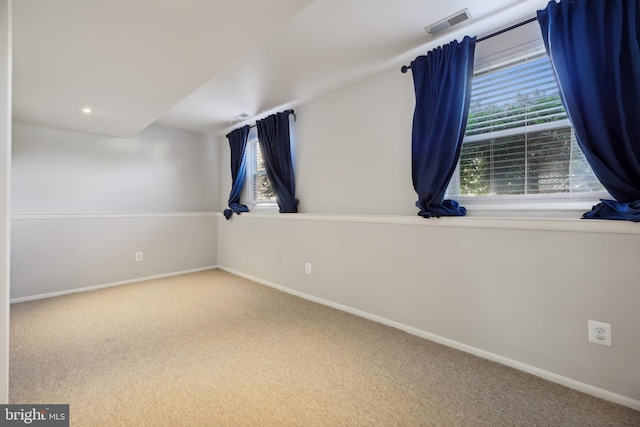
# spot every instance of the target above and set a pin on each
(518, 139)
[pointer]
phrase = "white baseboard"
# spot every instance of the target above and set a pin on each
(547, 375)
(109, 285)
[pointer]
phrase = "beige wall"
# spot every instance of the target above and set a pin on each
(57, 254)
(5, 179)
(162, 169)
(83, 205)
(524, 296)
(519, 290)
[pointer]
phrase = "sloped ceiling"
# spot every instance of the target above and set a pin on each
(128, 60)
(195, 64)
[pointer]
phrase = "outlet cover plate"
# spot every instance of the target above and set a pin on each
(599, 332)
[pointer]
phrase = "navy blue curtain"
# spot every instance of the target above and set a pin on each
(238, 144)
(275, 143)
(595, 51)
(442, 82)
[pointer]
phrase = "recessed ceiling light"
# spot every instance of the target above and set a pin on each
(86, 110)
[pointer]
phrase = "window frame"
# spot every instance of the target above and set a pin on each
(556, 204)
(248, 191)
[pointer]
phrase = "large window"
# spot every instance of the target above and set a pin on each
(259, 191)
(519, 144)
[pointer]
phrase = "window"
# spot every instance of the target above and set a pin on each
(519, 145)
(258, 188)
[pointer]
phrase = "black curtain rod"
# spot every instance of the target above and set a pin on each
(293, 113)
(406, 68)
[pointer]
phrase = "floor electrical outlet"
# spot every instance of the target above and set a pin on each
(599, 333)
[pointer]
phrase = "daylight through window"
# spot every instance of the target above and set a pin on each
(259, 187)
(518, 140)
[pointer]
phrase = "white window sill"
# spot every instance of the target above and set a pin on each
(524, 211)
(498, 220)
(264, 207)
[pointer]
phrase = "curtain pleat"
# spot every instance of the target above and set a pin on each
(275, 142)
(595, 51)
(442, 83)
(238, 145)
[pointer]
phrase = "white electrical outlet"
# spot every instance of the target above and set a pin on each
(139, 256)
(307, 268)
(599, 332)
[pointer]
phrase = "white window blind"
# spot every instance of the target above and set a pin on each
(258, 185)
(518, 140)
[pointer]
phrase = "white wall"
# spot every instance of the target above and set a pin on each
(57, 254)
(522, 293)
(84, 204)
(5, 175)
(353, 151)
(160, 170)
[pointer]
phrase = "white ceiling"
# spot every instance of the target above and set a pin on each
(194, 64)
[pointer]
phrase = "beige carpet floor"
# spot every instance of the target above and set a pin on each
(213, 349)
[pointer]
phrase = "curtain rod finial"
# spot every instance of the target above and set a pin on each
(405, 68)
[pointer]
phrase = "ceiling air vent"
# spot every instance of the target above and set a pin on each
(452, 20)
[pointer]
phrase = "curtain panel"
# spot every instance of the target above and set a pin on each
(594, 47)
(238, 145)
(275, 143)
(442, 83)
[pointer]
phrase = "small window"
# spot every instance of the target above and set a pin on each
(519, 144)
(259, 191)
